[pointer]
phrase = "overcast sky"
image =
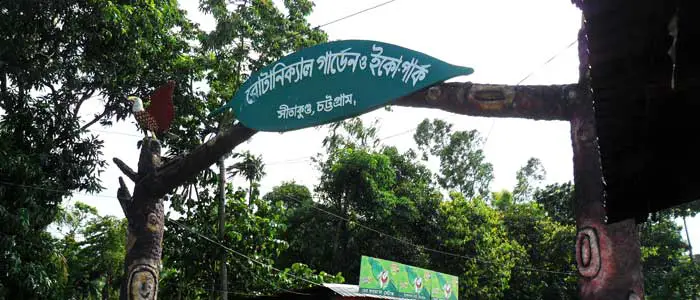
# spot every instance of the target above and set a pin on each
(503, 40)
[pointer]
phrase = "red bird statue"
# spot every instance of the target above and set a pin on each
(159, 114)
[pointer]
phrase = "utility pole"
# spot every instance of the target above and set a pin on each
(687, 237)
(222, 225)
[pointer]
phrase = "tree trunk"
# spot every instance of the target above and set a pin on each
(250, 192)
(531, 102)
(608, 257)
(105, 288)
(222, 226)
(145, 215)
(687, 237)
(144, 211)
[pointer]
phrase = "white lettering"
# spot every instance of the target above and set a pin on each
(330, 63)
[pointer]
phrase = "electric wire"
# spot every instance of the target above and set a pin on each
(488, 134)
(184, 227)
(355, 14)
(315, 206)
(241, 254)
(493, 122)
(328, 212)
(294, 160)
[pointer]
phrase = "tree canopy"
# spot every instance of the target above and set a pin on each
(371, 198)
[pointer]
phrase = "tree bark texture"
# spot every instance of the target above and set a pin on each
(154, 179)
(608, 257)
(535, 102)
(145, 216)
(485, 100)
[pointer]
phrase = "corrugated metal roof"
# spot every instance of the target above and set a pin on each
(351, 290)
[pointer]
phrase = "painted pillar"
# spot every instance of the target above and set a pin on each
(608, 257)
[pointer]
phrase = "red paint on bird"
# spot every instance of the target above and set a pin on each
(161, 110)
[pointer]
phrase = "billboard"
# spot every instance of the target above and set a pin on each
(388, 278)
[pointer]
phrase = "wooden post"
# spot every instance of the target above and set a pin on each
(145, 214)
(222, 225)
(608, 257)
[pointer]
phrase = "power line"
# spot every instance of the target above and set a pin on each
(315, 206)
(493, 122)
(54, 190)
(189, 229)
(294, 160)
(250, 259)
(355, 14)
(241, 254)
(547, 62)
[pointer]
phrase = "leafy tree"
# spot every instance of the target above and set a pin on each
(249, 35)
(463, 166)
(56, 56)
(663, 261)
(557, 201)
(680, 283)
(527, 178)
(92, 249)
(307, 228)
(547, 271)
(251, 167)
(190, 270)
(473, 229)
(664, 264)
(363, 187)
(353, 184)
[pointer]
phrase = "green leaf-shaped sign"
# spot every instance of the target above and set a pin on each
(334, 81)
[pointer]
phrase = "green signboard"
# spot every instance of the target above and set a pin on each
(388, 278)
(334, 81)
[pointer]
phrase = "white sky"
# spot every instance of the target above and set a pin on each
(503, 40)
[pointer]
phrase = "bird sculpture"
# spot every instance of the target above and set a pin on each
(160, 112)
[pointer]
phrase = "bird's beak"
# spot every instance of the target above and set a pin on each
(132, 98)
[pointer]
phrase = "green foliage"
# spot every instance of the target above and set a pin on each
(547, 245)
(474, 229)
(56, 56)
(665, 263)
(251, 167)
(680, 283)
(191, 262)
(463, 166)
(361, 185)
(557, 199)
(92, 253)
(527, 178)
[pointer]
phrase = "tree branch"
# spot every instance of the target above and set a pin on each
(538, 102)
(128, 171)
(531, 102)
(97, 118)
(50, 86)
(181, 169)
(82, 100)
(3, 82)
(123, 196)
